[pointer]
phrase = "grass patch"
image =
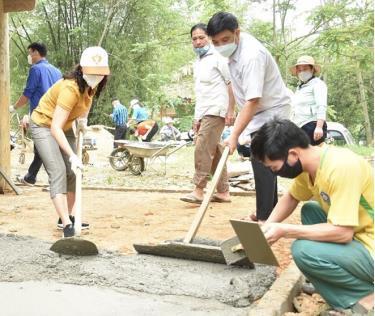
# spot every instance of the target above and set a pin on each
(361, 150)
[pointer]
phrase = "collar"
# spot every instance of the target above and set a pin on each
(303, 83)
(236, 55)
(42, 61)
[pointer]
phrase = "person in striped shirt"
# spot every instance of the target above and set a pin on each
(119, 117)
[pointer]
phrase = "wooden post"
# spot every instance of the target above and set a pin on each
(4, 97)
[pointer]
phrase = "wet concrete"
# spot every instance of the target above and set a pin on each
(204, 286)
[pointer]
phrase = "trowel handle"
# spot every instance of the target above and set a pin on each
(78, 200)
(207, 197)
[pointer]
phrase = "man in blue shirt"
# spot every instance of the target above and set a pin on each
(119, 117)
(139, 112)
(42, 75)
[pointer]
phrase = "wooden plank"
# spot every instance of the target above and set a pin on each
(18, 5)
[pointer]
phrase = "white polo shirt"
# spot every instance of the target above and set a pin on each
(255, 74)
(310, 102)
(211, 77)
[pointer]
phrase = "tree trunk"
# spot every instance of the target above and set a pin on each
(363, 101)
(4, 97)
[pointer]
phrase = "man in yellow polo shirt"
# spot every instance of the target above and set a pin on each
(334, 244)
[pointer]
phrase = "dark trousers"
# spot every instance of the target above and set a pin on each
(120, 133)
(309, 129)
(265, 189)
(31, 174)
(151, 134)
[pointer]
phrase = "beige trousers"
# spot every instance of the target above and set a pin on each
(208, 151)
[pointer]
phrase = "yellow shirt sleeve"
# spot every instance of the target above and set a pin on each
(299, 188)
(67, 98)
(345, 189)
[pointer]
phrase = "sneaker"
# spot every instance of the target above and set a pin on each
(83, 225)
(23, 181)
(68, 231)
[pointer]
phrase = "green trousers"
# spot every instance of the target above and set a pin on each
(341, 273)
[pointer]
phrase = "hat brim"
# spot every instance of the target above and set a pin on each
(293, 69)
(100, 70)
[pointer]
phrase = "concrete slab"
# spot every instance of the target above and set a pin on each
(52, 298)
(28, 259)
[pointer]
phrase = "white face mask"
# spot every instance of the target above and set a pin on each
(92, 80)
(29, 60)
(305, 75)
(227, 50)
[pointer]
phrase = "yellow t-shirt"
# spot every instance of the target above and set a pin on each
(344, 188)
(64, 93)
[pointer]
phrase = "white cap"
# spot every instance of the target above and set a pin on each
(134, 102)
(94, 61)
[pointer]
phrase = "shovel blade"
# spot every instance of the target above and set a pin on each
(75, 246)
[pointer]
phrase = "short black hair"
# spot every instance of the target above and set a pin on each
(115, 99)
(221, 21)
(274, 139)
(40, 47)
(199, 26)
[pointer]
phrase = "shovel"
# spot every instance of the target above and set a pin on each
(76, 245)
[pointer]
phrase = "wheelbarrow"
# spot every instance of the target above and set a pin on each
(133, 154)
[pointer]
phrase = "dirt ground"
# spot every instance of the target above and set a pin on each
(119, 219)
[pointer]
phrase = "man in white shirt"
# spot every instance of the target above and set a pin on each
(259, 91)
(214, 109)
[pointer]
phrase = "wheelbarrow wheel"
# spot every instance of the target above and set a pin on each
(136, 165)
(119, 159)
(85, 157)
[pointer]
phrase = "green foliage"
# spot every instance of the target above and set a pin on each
(361, 150)
(149, 41)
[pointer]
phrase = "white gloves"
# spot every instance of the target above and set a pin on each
(12, 108)
(82, 125)
(75, 163)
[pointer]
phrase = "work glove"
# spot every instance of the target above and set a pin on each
(81, 125)
(12, 108)
(75, 163)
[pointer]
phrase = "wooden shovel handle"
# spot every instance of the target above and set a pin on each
(78, 199)
(207, 197)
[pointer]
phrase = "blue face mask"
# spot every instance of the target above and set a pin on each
(200, 51)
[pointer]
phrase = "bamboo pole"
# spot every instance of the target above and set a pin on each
(4, 97)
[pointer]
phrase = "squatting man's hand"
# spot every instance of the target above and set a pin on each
(75, 163)
(12, 108)
(273, 231)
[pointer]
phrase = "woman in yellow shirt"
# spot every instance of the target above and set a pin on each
(66, 101)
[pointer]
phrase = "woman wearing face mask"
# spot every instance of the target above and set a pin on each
(310, 100)
(67, 100)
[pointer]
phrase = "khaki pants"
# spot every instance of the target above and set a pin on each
(208, 152)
